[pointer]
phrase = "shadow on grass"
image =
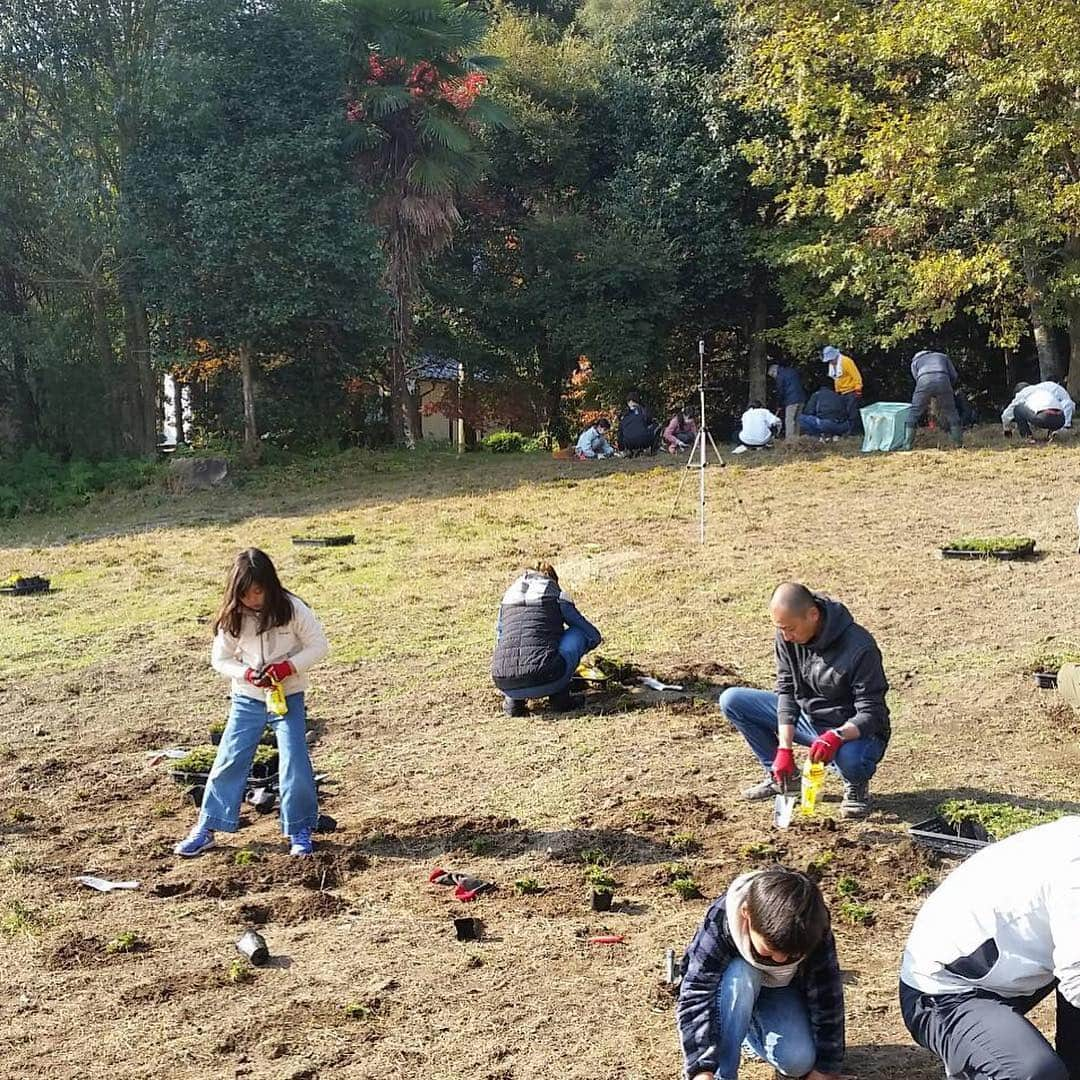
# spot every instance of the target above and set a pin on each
(504, 838)
(884, 1061)
(916, 806)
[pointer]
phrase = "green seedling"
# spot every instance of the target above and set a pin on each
(127, 942)
(18, 816)
(245, 857)
(685, 842)
(820, 863)
(199, 760)
(987, 544)
(162, 810)
(759, 851)
(17, 865)
(686, 887)
(240, 973)
(595, 857)
(599, 880)
(362, 1010)
(856, 914)
(17, 919)
(480, 845)
(998, 819)
(848, 886)
(644, 817)
(527, 886)
(919, 883)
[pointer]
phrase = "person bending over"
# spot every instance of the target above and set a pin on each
(758, 428)
(847, 381)
(594, 441)
(998, 935)
(1045, 405)
(680, 433)
(830, 696)
(762, 973)
(638, 434)
(540, 638)
(935, 380)
(825, 415)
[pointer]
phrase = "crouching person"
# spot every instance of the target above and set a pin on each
(540, 639)
(762, 973)
(830, 696)
(999, 934)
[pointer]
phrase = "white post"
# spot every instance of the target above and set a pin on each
(460, 406)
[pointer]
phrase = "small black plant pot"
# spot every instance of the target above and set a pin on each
(325, 824)
(265, 770)
(262, 799)
(215, 738)
(601, 901)
(1024, 552)
(468, 929)
(325, 541)
(195, 794)
(253, 946)
(1046, 680)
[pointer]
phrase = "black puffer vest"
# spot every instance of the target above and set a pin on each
(532, 625)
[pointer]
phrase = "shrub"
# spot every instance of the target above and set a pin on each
(919, 883)
(599, 880)
(856, 914)
(527, 886)
(686, 887)
(504, 442)
(848, 886)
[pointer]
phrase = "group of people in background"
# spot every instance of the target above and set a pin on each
(832, 412)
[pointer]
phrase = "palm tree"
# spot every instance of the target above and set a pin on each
(415, 102)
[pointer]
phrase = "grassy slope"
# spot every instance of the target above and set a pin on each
(115, 664)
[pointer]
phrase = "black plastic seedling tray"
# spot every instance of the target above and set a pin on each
(31, 586)
(1046, 680)
(324, 541)
(1015, 553)
(938, 835)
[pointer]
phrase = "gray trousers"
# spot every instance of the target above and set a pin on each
(980, 1036)
(791, 420)
(938, 389)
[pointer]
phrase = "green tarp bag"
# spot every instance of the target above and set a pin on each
(883, 425)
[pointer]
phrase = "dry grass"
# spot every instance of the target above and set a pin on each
(427, 770)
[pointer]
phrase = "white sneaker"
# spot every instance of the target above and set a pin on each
(740, 449)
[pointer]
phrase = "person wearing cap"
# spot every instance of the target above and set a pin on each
(847, 381)
(1045, 405)
(791, 395)
(935, 378)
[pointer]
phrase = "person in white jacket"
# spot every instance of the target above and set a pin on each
(759, 428)
(264, 638)
(1045, 405)
(998, 935)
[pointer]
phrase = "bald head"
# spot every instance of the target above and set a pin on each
(795, 613)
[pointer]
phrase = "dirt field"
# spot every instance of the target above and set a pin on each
(368, 980)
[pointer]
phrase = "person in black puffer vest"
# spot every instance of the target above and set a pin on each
(540, 639)
(638, 432)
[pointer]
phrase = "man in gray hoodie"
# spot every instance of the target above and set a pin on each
(935, 379)
(830, 696)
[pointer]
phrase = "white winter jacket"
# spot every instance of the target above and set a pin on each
(1041, 396)
(301, 641)
(1007, 920)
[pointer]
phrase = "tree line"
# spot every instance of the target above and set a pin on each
(287, 205)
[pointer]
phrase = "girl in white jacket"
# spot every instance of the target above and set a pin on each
(263, 636)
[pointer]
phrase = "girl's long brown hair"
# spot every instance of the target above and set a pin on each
(253, 567)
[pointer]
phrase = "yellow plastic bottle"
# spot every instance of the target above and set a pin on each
(275, 700)
(813, 776)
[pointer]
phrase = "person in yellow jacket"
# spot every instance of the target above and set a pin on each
(847, 381)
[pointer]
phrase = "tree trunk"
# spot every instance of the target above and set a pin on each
(121, 419)
(1049, 362)
(402, 425)
(140, 373)
(247, 386)
(1072, 309)
(27, 418)
(759, 347)
(178, 411)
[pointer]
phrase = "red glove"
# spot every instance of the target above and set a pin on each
(278, 672)
(783, 765)
(255, 678)
(824, 747)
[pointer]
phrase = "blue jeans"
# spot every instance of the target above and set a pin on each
(572, 647)
(772, 1022)
(753, 714)
(228, 778)
(815, 425)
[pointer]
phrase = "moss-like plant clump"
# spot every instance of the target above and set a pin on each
(198, 760)
(998, 819)
(989, 544)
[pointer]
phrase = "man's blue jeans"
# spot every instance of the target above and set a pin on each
(815, 425)
(573, 645)
(753, 713)
(772, 1022)
(236, 751)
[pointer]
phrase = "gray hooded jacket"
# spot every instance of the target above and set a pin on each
(835, 678)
